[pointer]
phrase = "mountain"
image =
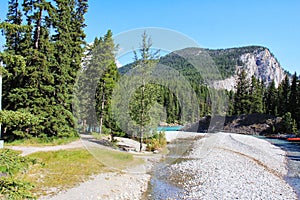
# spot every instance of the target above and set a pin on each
(219, 67)
(256, 60)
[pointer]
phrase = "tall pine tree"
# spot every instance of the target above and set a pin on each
(271, 100)
(242, 100)
(256, 96)
(294, 99)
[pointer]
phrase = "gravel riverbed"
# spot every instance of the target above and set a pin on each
(232, 166)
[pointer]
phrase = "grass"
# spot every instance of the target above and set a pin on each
(41, 142)
(116, 159)
(58, 170)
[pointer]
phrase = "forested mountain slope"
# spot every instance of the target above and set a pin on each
(224, 65)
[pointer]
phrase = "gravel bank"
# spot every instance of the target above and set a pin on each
(231, 166)
(173, 135)
(107, 186)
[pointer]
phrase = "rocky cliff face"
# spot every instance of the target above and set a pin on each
(261, 63)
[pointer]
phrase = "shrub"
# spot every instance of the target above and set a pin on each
(15, 189)
(157, 141)
(19, 124)
(12, 163)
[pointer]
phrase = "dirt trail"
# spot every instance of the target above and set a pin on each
(26, 150)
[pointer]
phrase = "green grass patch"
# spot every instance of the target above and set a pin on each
(59, 170)
(42, 141)
(116, 159)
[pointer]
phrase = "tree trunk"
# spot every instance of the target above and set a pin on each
(102, 108)
(142, 116)
(38, 30)
(84, 126)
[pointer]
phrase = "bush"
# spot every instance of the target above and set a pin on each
(15, 189)
(12, 163)
(156, 142)
(19, 124)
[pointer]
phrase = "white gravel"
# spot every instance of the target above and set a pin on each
(232, 166)
(107, 186)
(173, 135)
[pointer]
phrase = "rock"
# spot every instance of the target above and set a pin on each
(260, 62)
(155, 151)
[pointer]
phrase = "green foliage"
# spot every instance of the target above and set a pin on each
(12, 163)
(271, 100)
(290, 125)
(156, 142)
(256, 96)
(15, 189)
(107, 82)
(242, 101)
(20, 124)
(294, 99)
(100, 75)
(42, 55)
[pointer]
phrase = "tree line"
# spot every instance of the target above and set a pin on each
(252, 96)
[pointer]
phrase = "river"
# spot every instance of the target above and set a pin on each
(161, 187)
(292, 150)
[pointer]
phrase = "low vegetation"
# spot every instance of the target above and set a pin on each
(11, 164)
(115, 159)
(156, 142)
(46, 173)
(36, 141)
(58, 170)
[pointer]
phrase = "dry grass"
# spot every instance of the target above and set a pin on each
(115, 159)
(58, 170)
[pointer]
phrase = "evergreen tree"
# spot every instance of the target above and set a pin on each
(256, 96)
(44, 66)
(95, 87)
(289, 124)
(143, 97)
(14, 18)
(242, 97)
(284, 90)
(107, 83)
(230, 103)
(294, 98)
(271, 100)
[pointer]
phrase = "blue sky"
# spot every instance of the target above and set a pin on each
(212, 24)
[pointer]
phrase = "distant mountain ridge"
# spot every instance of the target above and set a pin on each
(256, 60)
